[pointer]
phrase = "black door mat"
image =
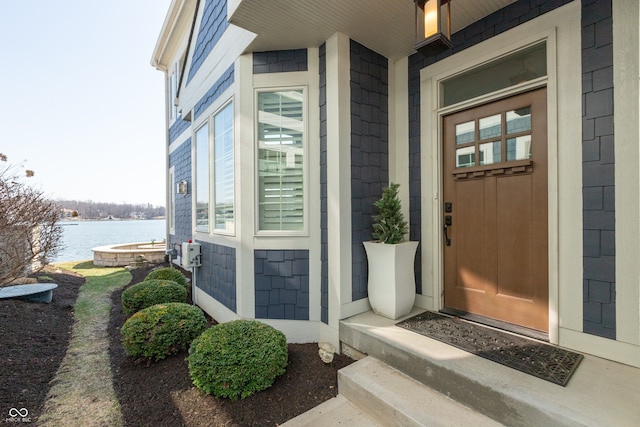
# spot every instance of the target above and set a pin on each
(535, 358)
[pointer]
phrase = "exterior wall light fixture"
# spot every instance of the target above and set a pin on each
(433, 26)
(183, 187)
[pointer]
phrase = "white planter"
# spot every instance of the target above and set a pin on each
(392, 283)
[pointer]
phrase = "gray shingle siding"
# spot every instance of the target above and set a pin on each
(217, 276)
(177, 128)
(281, 284)
(181, 160)
(598, 169)
(280, 61)
(369, 151)
(224, 82)
(212, 26)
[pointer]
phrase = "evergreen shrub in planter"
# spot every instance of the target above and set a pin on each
(389, 225)
(238, 358)
(161, 330)
(168, 273)
(152, 292)
(391, 280)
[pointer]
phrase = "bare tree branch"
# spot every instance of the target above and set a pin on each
(29, 234)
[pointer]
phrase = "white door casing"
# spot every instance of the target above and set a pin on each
(560, 29)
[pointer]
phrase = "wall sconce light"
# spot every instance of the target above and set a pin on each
(431, 17)
(183, 187)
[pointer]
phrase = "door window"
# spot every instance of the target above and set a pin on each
(502, 137)
(490, 127)
(465, 132)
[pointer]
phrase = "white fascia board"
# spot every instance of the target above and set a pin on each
(175, 29)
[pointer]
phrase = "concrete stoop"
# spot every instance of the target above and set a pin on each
(411, 380)
(338, 411)
(373, 393)
(599, 393)
(395, 399)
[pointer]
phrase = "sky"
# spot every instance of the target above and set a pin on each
(83, 108)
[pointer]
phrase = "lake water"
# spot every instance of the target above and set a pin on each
(79, 237)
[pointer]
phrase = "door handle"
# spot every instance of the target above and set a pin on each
(448, 222)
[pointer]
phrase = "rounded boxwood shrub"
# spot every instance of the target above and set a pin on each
(152, 292)
(162, 329)
(238, 358)
(168, 273)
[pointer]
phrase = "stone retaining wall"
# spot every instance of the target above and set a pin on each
(121, 255)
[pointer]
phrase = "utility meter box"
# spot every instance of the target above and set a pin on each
(191, 254)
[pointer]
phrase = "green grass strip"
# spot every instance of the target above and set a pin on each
(82, 392)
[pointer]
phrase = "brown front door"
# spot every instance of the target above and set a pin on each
(495, 210)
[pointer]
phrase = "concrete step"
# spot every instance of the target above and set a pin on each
(338, 411)
(395, 399)
(600, 392)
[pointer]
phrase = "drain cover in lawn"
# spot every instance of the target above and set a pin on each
(532, 357)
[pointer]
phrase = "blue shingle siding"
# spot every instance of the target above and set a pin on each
(281, 284)
(224, 82)
(212, 26)
(280, 61)
(217, 275)
(177, 128)
(598, 170)
(181, 160)
(369, 151)
(324, 228)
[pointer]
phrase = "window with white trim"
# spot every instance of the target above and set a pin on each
(202, 195)
(171, 211)
(281, 155)
(223, 166)
(214, 171)
(520, 67)
(174, 80)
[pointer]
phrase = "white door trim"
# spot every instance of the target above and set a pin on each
(561, 31)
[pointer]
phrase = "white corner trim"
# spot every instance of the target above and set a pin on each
(399, 130)
(626, 96)
(338, 173)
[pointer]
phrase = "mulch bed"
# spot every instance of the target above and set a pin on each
(33, 341)
(34, 338)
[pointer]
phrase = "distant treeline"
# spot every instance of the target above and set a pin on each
(98, 210)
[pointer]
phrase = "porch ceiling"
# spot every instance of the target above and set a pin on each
(386, 26)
